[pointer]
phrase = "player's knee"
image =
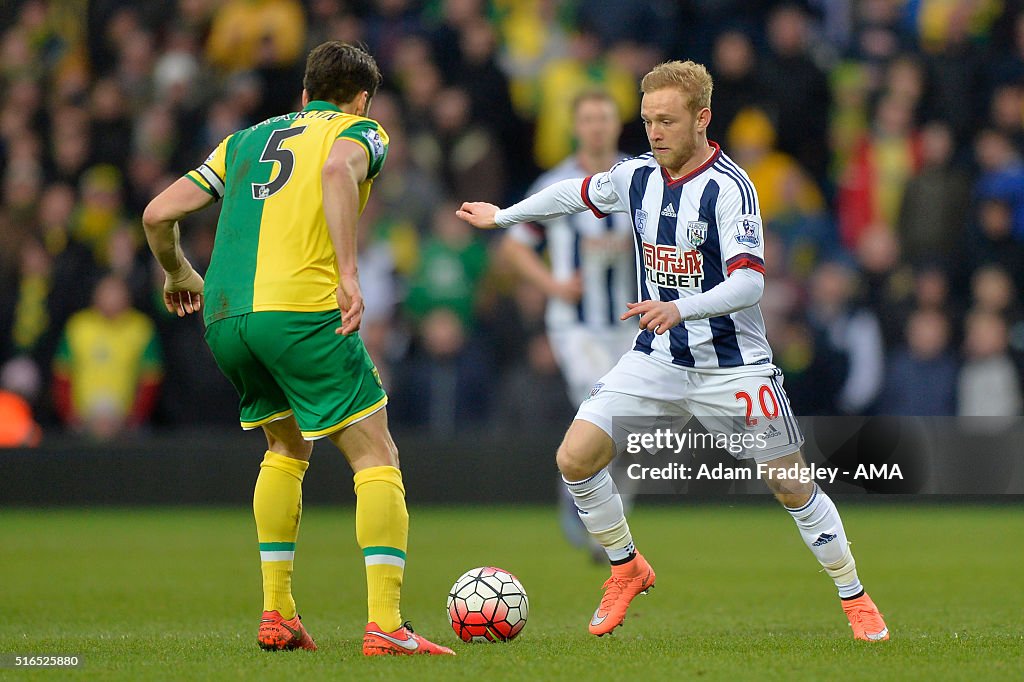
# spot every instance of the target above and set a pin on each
(574, 461)
(792, 500)
(562, 460)
(795, 495)
(584, 451)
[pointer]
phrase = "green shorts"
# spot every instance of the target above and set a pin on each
(284, 363)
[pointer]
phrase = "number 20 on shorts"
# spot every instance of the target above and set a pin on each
(765, 397)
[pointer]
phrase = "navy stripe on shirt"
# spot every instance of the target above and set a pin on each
(668, 228)
(744, 196)
(745, 180)
(729, 167)
(723, 329)
(636, 197)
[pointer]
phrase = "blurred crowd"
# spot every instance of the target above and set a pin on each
(884, 138)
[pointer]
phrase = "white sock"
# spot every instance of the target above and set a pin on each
(600, 509)
(822, 531)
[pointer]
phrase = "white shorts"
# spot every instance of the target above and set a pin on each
(747, 400)
(583, 355)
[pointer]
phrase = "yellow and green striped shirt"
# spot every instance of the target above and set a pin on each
(272, 250)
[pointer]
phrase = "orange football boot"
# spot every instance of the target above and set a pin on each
(400, 642)
(278, 634)
(865, 619)
(627, 581)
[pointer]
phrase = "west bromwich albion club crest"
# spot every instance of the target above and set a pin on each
(696, 232)
(640, 220)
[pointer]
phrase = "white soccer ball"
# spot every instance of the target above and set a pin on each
(487, 604)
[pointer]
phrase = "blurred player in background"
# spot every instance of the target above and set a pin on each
(701, 350)
(283, 264)
(589, 275)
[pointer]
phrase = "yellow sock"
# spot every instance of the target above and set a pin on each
(382, 530)
(277, 506)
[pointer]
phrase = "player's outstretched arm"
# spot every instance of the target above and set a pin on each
(183, 287)
(559, 199)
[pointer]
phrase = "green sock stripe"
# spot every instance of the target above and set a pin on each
(277, 546)
(390, 551)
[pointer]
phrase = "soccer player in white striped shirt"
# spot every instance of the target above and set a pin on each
(701, 349)
(589, 274)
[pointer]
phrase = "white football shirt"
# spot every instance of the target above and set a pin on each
(690, 234)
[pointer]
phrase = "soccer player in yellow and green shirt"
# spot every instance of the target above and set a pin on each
(282, 306)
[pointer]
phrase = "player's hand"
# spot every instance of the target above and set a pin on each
(570, 290)
(183, 291)
(478, 214)
(655, 316)
(350, 302)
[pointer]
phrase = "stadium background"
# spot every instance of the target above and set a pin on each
(884, 138)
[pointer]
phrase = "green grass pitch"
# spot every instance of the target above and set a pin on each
(149, 594)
